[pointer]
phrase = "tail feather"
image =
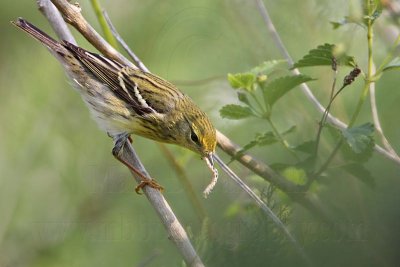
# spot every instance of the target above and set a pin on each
(39, 35)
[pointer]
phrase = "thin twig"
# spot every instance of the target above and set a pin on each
(323, 119)
(375, 117)
(103, 23)
(176, 232)
(126, 47)
(306, 90)
(54, 17)
(260, 203)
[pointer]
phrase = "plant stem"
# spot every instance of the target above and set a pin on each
(103, 24)
(283, 141)
(328, 161)
(324, 116)
(388, 57)
(368, 79)
(262, 108)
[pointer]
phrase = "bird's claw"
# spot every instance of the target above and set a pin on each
(148, 182)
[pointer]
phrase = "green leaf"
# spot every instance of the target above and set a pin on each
(393, 64)
(267, 67)
(262, 139)
(340, 23)
(322, 56)
(274, 90)
(235, 112)
(242, 81)
(359, 138)
(296, 175)
(307, 147)
(360, 172)
(346, 151)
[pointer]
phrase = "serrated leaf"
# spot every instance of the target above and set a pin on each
(274, 90)
(346, 151)
(235, 112)
(360, 172)
(322, 56)
(349, 155)
(242, 81)
(359, 138)
(307, 147)
(262, 139)
(393, 64)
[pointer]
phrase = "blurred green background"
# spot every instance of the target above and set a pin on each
(65, 201)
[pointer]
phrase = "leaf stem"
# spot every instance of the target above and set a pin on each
(327, 162)
(368, 79)
(264, 110)
(325, 115)
(282, 140)
(388, 57)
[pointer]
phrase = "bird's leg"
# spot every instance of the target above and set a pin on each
(119, 142)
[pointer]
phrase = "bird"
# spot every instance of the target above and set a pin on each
(125, 100)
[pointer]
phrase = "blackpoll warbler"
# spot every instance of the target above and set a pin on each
(128, 101)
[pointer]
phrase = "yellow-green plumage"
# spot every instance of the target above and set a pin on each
(125, 100)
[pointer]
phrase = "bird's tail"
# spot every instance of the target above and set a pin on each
(39, 35)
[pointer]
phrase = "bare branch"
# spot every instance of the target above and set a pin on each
(176, 232)
(54, 17)
(121, 41)
(306, 90)
(72, 15)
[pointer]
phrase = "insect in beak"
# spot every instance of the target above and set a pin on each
(209, 159)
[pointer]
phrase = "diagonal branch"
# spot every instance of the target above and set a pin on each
(176, 232)
(306, 90)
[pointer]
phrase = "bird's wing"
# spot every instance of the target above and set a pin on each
(136, 88)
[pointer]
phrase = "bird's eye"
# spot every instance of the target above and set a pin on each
(194, 138)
